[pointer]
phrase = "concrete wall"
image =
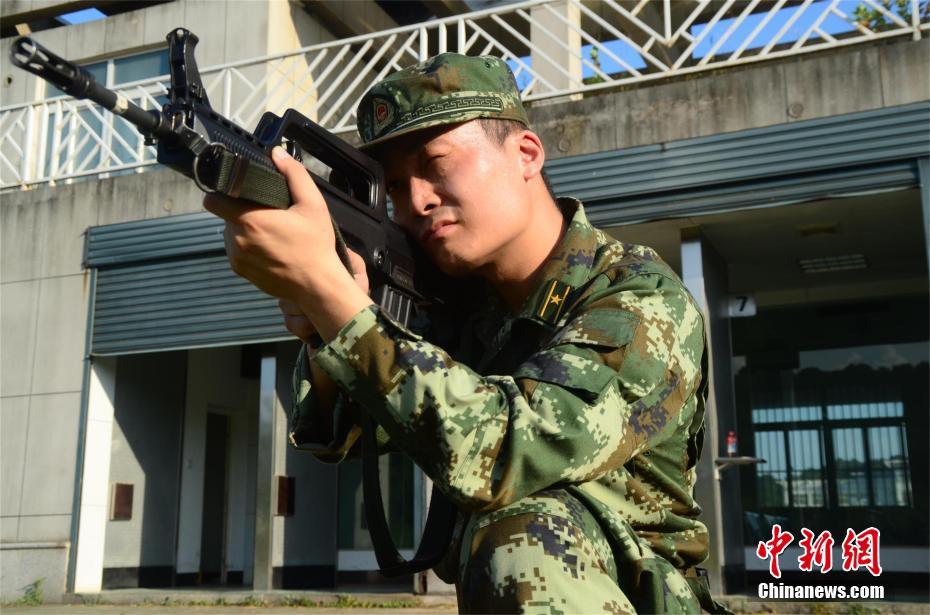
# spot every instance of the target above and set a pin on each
(855, 78)
(44, 294)
(44, 297)
(146, 454)
(22, 560)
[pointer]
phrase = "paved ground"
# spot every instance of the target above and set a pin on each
(738, 604)
(223, 600)
(120, 609)
(239, 602)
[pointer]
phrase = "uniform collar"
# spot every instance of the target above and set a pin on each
(567, 268)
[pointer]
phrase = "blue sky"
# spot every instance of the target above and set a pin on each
(81, 16)
(831, 24)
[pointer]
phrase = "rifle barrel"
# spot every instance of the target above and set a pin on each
(29, 55)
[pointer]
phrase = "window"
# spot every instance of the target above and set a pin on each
(834, 397)
(867, 463)
(872, 466)
(793, 475)
(120, 71)
(87, 138)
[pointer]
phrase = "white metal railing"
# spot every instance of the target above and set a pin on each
(555, 48)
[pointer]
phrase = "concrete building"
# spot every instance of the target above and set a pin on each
(776, 158)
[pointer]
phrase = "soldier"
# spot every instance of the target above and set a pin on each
(558, 403)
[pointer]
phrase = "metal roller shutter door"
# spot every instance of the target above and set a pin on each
(165, 284)
(775, 165)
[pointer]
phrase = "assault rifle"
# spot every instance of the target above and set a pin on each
(222, 157)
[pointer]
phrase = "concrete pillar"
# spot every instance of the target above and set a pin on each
(265, 473)
(705, 275)
(556, 54)
(95, 476)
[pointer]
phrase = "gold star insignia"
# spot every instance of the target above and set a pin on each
(555, 299)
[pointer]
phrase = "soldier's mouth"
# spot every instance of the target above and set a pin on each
(437, 230)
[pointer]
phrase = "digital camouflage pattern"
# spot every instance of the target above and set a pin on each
(446, 89)
(547, 553)
(569, 433)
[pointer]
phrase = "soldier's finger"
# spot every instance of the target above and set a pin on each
(357, 262)
(289, 308)
(300, 326)
(220, 206)
(304, 192)
(359, 270)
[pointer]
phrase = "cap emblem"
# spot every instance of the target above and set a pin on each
(383, 114)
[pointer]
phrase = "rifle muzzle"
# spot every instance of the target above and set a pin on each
(30, 56)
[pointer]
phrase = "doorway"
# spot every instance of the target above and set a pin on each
(215, 498)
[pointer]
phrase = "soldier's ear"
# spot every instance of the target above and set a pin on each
(532, 154)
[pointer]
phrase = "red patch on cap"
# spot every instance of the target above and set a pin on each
(381, 112)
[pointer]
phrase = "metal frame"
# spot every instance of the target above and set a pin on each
(326, 81)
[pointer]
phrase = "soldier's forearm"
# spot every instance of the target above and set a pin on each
(333, 301)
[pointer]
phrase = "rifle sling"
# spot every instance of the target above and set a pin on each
(239, 178)
(440, 520)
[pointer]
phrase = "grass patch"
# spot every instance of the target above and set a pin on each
(252, 601)
(33, 595)
(344, 601)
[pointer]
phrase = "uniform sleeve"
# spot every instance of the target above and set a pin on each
(611, 383)
(326, 425)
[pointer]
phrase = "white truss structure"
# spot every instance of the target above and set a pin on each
(556, 48)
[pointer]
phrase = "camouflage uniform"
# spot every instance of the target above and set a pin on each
(568, 434)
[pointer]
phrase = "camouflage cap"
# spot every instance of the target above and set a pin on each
(446, 89)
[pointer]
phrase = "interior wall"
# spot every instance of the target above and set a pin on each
(146, 454)
(308, 553)
(215, 384)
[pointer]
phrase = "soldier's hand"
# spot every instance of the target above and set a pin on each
(287, 253)
(290, 253)
(298, 323)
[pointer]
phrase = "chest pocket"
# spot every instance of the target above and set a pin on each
(580, 355)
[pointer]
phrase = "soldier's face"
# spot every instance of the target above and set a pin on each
(459, 193)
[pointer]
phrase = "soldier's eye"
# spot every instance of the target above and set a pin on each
(434, 161)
